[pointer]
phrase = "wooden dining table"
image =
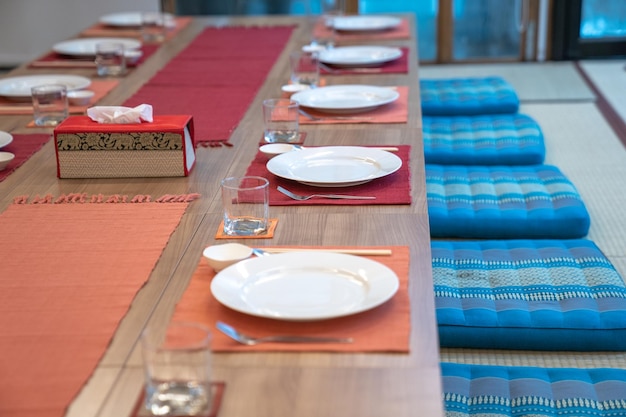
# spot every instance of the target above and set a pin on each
(264, 384)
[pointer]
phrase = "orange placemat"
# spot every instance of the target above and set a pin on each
(103, 30)
(100, 87)
(396, 112)
(400, 32)
(70, 273)
(383, 329)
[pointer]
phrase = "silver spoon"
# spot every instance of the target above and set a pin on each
(251, 341)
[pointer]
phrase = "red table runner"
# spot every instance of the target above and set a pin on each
(70, 275)
(392, 189)
(215, 78)
(23, 147)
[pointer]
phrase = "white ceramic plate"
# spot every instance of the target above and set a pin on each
(334, 166)
(359, 55)
(124, 19)
(299, 286)
(5, 139)
(19, 87)
(87, 46)
(346, 98)
(365, 23)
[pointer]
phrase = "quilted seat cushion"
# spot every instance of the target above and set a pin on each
(467, 96)
(503, 202)
(528, 294)
(505, 139)
(515, 391)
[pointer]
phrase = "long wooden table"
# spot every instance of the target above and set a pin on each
(266, 384)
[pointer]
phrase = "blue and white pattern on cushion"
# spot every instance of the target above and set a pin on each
(504, 139)
(467, 96)
(503, 202)
(499, 391)
(528, 294)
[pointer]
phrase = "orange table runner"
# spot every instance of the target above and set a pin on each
(69, 274)
(385, 328)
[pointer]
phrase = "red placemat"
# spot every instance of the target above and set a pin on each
(397, 66)
(73, 271)
(385, 328)
(23, 147)
(215, 78)
(392, 189)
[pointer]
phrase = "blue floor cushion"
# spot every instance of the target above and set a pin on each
(503, 202)
(502, 139)
(528, 294)
(515, 391)
(467, 96)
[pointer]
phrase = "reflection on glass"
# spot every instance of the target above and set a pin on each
(603, 19)
(425, 15)
(486, 29)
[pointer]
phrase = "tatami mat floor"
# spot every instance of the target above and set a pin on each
(581, 142)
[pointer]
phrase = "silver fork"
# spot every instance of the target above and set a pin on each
(317, 118)
(333, 196)
(245, 339)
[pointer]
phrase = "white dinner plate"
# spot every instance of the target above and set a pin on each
(5, 139)
(365, 23)
(301, 286)
(19, 87)
(346, 98)
(87, 46)
(359, 55)
(124, 19)
(334, 166)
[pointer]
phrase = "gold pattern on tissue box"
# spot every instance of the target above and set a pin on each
(86, 149)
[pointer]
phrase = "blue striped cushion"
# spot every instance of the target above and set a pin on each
(504, 139)
(503, 202)
(467, 96)
(488, 390)
(528, 294)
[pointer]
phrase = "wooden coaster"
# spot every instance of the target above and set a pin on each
(217, 391)
(267, 235)
(300, 141)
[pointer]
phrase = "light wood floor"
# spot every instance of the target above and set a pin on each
(580, 141)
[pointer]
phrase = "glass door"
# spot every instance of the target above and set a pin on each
(589, 29)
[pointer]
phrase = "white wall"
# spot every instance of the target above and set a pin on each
(29, 28)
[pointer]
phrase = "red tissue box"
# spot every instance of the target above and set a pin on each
(162, 148)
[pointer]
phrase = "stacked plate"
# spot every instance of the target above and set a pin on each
(86, 47)
(18, 88)
(359, 56)
(346, 99)
(299, 287)
(334, 166)
(362, 23)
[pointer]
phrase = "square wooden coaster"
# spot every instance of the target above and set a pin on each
(217, 391)
(269, 233)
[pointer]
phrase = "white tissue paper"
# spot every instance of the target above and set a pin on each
(121, 115)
